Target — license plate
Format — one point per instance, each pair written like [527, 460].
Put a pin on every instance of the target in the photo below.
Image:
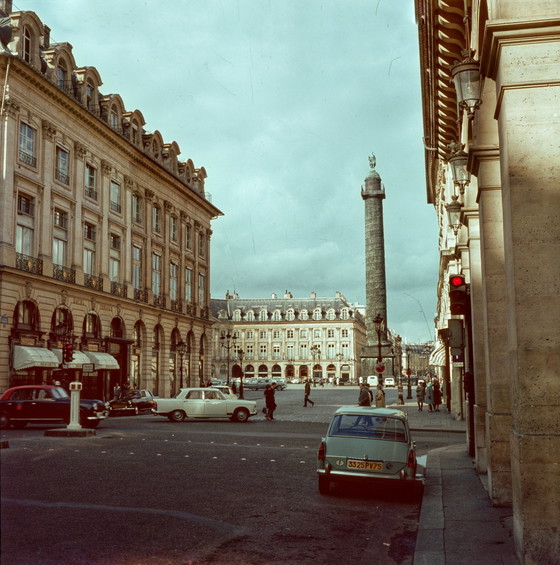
[367, 465]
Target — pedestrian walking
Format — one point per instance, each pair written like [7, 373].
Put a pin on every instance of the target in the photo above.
[364, 399]
[400, 392]
[307, 392]
[430, 396]
[420, 395]
[380, 397]
[437, 395]
[371, 397]
[270, 400]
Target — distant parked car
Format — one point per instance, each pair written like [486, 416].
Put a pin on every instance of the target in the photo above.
[389, 381]
[46, 404]
[133, 402]
[226, 391]
[366, 444]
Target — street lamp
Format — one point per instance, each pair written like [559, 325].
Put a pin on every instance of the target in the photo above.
[467, 81]
[181, 348]
[408, 373]
[379, 325]
[228, 342]
[240, 355]
[339, 359]
[315, 354]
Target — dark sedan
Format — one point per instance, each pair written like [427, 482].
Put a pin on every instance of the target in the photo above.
[46, 404]
[133, 402]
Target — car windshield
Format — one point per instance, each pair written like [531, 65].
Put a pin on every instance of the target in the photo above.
[368, 426]
[59, 392]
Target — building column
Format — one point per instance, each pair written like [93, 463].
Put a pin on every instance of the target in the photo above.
[523, 56]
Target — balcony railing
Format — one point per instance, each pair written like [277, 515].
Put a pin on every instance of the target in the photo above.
[62, 177]
[28, 159]
[159, 300]
[177, 305]
[66, 274]
[90, 193]
[141, 295]
[91, 281]
[118, 289]
[29, 264]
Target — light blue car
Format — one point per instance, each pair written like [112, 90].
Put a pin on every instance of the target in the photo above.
[366, 443]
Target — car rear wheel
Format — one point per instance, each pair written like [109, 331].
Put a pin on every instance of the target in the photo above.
[4, 421]
[241, 415]
[177, 416]
[324, 484]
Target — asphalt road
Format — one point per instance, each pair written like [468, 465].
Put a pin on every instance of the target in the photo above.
[144, 490]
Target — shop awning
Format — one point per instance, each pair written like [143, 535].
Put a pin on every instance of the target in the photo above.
[102, 360]
[437, 356]
[27, 357]
[79, 358]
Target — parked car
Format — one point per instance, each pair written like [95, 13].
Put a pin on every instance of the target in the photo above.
[366, 444]
[204, 403]
[46, 404]
[389, 381]
[133, 402]
[260, 384]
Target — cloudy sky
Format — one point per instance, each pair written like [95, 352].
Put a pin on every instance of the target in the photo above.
[282, 102]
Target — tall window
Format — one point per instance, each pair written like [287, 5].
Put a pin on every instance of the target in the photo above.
[26, 47]
[173, 228]
[62, 172]
[276, 316]
[90, 97]
[89, 249]
[330, 351]
[27, 147]
[25, 225]
[114, 119]
[317, 314]
[90, 181]
[276, 352]
[188, 237]
[61, 74]
[115, 258]
[303, 351]
[136, 266]
[156, 219]
[156, 274]
[173, 274]
[290, 334]
[290, 352]
[115, 198]
[202, 290]
[136, 208]
[290, 315]
[188, 285]
[60, 237]
[262, 351]
[344, 314]
[201, 245]
[345, 349]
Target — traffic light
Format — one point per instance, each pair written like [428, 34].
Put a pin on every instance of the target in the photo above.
[68, 353]
[458, 295]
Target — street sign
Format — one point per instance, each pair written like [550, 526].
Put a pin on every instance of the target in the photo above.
[380, 367]
[87, 367]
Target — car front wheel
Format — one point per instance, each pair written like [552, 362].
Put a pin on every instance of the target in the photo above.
[241, 415]
[177, 416]
[324, 484]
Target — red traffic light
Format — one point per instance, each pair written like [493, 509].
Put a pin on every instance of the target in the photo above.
[456, 280]
[68, 353]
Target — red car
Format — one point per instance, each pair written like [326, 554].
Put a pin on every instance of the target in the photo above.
[46, 404]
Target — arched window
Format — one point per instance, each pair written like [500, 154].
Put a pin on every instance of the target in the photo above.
[92, 326]
[263, 371]
[344, 314]
[237, 315]
[27, 316]
[250, 316]
[61, 73]
[317, 314]
[290, 315]
[303, 315]
[263, 315]
[62, 323]
[276, 316]
[117, 329]
[330, 314]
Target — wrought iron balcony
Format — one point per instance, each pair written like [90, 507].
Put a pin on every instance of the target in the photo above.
[177, 305]
[159, 300]
[28, 159]
[66, 274]
[141, 295]
[29, 264]
[91, 281]
[118, 289]
[62, 177]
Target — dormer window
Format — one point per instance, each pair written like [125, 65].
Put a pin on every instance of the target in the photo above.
[27, 46]
[61, 74]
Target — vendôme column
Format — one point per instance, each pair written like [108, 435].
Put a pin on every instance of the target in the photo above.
[373, 194]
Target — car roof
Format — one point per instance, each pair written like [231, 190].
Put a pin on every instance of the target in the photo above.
[372, 411]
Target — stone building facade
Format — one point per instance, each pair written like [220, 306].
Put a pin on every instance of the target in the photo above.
[499, 229]
[104, 231]
[288, 337]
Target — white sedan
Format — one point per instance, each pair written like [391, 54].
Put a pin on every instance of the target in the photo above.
[204, 403]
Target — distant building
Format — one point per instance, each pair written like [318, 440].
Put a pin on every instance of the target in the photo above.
[104, 232]
[289, 337]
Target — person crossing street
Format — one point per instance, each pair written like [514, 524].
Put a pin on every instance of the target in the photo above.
[307, 391]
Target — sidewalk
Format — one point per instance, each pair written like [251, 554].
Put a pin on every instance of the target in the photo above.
[458, 524]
